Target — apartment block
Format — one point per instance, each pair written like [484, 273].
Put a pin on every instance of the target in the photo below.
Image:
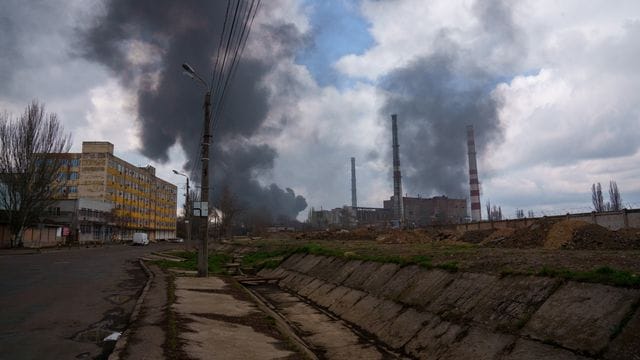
[105, 198]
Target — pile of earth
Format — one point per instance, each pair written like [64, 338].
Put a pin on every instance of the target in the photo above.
[557, 234]
[403, 237]
[475, 236]
[532, 236]
[343, 234]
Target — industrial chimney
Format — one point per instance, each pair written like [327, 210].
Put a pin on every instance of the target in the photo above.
[354, 197]
[398, 207]
[474, 184]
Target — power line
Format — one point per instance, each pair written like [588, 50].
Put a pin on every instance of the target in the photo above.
[246, 29]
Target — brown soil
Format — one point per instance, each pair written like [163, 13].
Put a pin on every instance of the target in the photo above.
[475, 236]
[403, 237]
[562, 233]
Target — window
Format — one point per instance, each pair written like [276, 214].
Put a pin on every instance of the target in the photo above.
[73, 176]
[73, 189]
[75, 162]
[85, 229]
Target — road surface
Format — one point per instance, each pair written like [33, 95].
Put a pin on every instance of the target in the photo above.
[60, 304]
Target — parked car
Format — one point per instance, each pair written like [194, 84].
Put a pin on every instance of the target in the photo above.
[140, 239]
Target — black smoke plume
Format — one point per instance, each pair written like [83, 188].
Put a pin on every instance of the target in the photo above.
[436, 96]
[145, 42]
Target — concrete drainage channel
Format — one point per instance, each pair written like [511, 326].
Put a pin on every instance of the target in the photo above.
[316, 332]
[434, 314]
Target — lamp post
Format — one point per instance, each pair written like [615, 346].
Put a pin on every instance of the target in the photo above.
[203, 256]
[187, 217]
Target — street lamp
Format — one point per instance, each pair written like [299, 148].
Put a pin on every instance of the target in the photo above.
[187, 217]
[203, 256]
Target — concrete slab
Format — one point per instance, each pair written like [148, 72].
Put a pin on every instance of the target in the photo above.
[307, 263]
[342, 273]
[378, 279]
[289, 262]
[463, 296]
[434, 339]
[532, 350]
[345, 303]
[479, 344]
[581, 316]
[196, 302]
[311, 287]
[213, 339]
[427, 286]
[510, 301]
[626, 346]
[320, 267]
[403, 327]
[332, 269]
[200, 283]
[332, 296]
[329, 338]
[320, 295]
[381, 317]
[299, 281]
[361, 310]
[361, 275]
[403, 279]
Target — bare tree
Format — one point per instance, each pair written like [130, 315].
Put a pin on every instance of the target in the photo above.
[28, 167]
[615, 201]
[230, 208]
[596, 198]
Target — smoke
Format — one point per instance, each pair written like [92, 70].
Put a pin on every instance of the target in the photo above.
[144, 44]
[436, 96]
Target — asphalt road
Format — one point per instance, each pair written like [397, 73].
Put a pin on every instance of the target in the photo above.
[60, 304]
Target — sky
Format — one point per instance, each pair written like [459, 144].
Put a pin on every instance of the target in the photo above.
[552, 89]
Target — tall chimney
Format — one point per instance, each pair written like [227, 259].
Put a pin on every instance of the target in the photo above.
[398, 207]
[474, 184]
[354, 197]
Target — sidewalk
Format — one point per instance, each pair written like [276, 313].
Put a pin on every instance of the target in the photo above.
[208, 318]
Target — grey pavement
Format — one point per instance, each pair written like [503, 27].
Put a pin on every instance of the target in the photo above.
[60, 304]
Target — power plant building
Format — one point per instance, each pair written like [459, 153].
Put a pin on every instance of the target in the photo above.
[437, 210]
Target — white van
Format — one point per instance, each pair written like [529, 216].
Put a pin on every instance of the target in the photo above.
[140, 239]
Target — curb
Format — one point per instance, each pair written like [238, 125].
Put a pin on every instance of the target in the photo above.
[121, 344]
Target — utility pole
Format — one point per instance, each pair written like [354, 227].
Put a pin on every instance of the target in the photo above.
[188, 215]
[203, 251]
[203, 255]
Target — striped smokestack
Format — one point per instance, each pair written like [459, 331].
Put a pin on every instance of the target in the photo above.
[474, 184]
[354, 197]
[398, 207]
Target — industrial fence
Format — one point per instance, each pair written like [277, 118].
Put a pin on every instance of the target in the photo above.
[613, 220]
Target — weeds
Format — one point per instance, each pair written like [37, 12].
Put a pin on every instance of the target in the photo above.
[601, 275]
[450, 266]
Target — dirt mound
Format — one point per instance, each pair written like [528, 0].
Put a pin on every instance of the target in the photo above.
[403, 237]
[562, 233]
[532, 236]
[475, 236]
[498, 235]
[352, 234]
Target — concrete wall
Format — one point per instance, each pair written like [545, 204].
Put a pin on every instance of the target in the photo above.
[611, 220]
[434, 314]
